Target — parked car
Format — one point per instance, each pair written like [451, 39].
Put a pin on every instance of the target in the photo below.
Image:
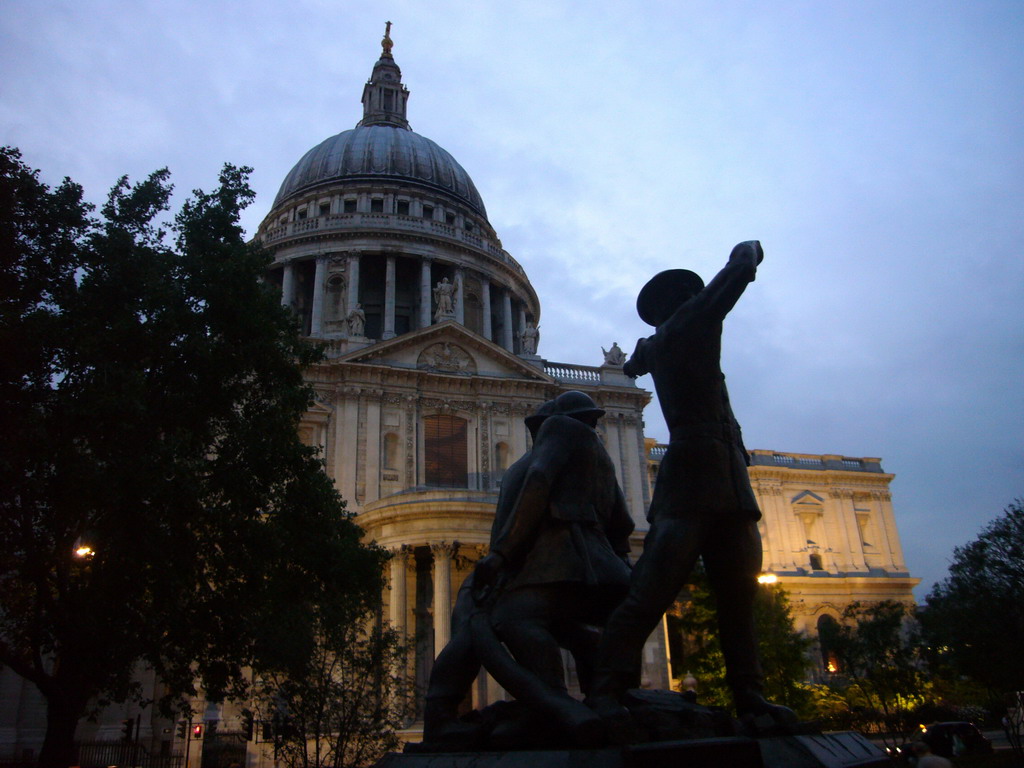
[950, 739]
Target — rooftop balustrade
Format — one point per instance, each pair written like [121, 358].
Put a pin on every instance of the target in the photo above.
[394, 222]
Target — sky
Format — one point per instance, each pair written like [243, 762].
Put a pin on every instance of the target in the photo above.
[875, 148]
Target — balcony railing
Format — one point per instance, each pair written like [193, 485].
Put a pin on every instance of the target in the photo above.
[390, 221]
[567, 372]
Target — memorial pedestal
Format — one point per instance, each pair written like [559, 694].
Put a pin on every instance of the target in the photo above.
[826, 750]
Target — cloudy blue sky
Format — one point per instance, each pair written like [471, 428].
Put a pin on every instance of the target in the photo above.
[875, 148]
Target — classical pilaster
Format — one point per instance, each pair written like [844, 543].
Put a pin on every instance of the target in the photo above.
[881, 544]
[485, 298]
[521, 321]
[460, 311]
[851, 532]
[506, 316]
[442, 608]
[888, 520]
[353, 281]
[319, 289]
[399, 588]
[425, 294]
[346, 425]
[372, 448]
[389, 298]
[288, 284]
[776, 543]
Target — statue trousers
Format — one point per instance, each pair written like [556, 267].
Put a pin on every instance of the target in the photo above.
[730, 547]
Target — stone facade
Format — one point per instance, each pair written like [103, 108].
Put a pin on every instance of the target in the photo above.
[828, 532]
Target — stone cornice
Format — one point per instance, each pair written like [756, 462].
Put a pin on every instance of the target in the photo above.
[451, 331]
[854, 479]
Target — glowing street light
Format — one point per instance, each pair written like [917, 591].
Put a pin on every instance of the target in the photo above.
[84, 551]
[767, 578]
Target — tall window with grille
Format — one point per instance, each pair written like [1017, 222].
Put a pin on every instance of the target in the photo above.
[444, 442]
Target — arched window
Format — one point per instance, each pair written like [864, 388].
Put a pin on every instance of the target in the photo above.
[391, 458]
[335, 293]
[444, 447]
[827, 629]
[474, 313]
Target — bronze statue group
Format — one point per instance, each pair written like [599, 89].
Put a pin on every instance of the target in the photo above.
[558, 574]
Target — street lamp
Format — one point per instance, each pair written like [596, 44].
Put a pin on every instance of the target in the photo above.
[767, 578]
[82, 549]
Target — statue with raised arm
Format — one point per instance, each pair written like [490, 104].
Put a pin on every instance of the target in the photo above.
[703, 504]
[614, 356]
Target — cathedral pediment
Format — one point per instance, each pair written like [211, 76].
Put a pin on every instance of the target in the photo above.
[447, 348]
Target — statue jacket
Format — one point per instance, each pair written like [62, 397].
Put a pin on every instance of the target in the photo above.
[569, 522]
[705, 467]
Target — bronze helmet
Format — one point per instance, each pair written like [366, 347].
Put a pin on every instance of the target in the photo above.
[665, 293]
[576, 403]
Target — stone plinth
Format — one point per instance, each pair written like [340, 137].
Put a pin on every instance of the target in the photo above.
[829, 750]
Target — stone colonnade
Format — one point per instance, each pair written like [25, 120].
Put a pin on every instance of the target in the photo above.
[449, 564]
[509, 312]
[443, 566]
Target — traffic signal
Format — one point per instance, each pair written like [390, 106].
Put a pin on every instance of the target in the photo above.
[127, 728]
[182, 729]
[197, 731]
[247, 724]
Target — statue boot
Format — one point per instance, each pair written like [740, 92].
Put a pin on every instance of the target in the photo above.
[751, 703]
[441, 723]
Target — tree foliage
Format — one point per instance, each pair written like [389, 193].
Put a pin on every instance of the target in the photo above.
[879, 664]
[343, 706]
[696, 647]
[974, 619]
[151, 389]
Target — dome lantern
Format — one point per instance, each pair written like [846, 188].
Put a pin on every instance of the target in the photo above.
[384, 96]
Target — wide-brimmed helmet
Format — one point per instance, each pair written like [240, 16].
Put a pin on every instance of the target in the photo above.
[576, 403]
[665, 292]
[536, 418]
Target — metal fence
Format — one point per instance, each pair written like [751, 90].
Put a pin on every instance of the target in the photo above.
[100, 754]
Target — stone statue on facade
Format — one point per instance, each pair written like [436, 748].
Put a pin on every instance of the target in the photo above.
[614, 356]
[444, 297]
[703, 504]
[356, 321]
[529, 338]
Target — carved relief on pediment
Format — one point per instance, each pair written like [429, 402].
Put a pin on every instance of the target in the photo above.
[447, 358]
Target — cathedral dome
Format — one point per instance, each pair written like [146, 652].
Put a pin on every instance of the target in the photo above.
[381, 152]
[377, 231]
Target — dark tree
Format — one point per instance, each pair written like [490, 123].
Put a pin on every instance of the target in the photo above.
[343, 705]
[974, 618]
[157, 505]
[696, 648]
[877, 652]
